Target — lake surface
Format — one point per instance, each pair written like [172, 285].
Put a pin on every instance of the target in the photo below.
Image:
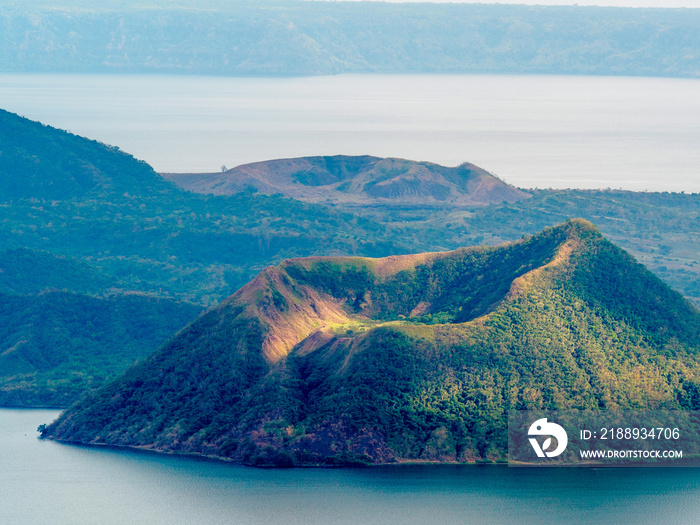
[532, 131]
[46, 482]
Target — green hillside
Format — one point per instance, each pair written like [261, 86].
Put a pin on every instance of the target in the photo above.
[40, 162]
[56, 346]
[24, 272]
[356, 360]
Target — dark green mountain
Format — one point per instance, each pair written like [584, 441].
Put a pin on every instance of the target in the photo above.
[44, 163]
[337, 360]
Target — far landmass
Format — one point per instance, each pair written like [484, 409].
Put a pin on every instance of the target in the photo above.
[276, 37]
[352, 360]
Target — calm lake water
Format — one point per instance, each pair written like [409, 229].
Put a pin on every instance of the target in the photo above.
[532, 131]
[45, 482]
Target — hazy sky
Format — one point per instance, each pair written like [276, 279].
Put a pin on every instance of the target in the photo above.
[617, 3]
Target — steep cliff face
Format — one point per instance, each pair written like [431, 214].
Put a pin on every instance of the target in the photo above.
[358, 180]
[357, 360]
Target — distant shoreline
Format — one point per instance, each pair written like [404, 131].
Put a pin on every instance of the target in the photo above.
[282, 39]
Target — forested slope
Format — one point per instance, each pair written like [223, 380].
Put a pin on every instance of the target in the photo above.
[56, 346]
